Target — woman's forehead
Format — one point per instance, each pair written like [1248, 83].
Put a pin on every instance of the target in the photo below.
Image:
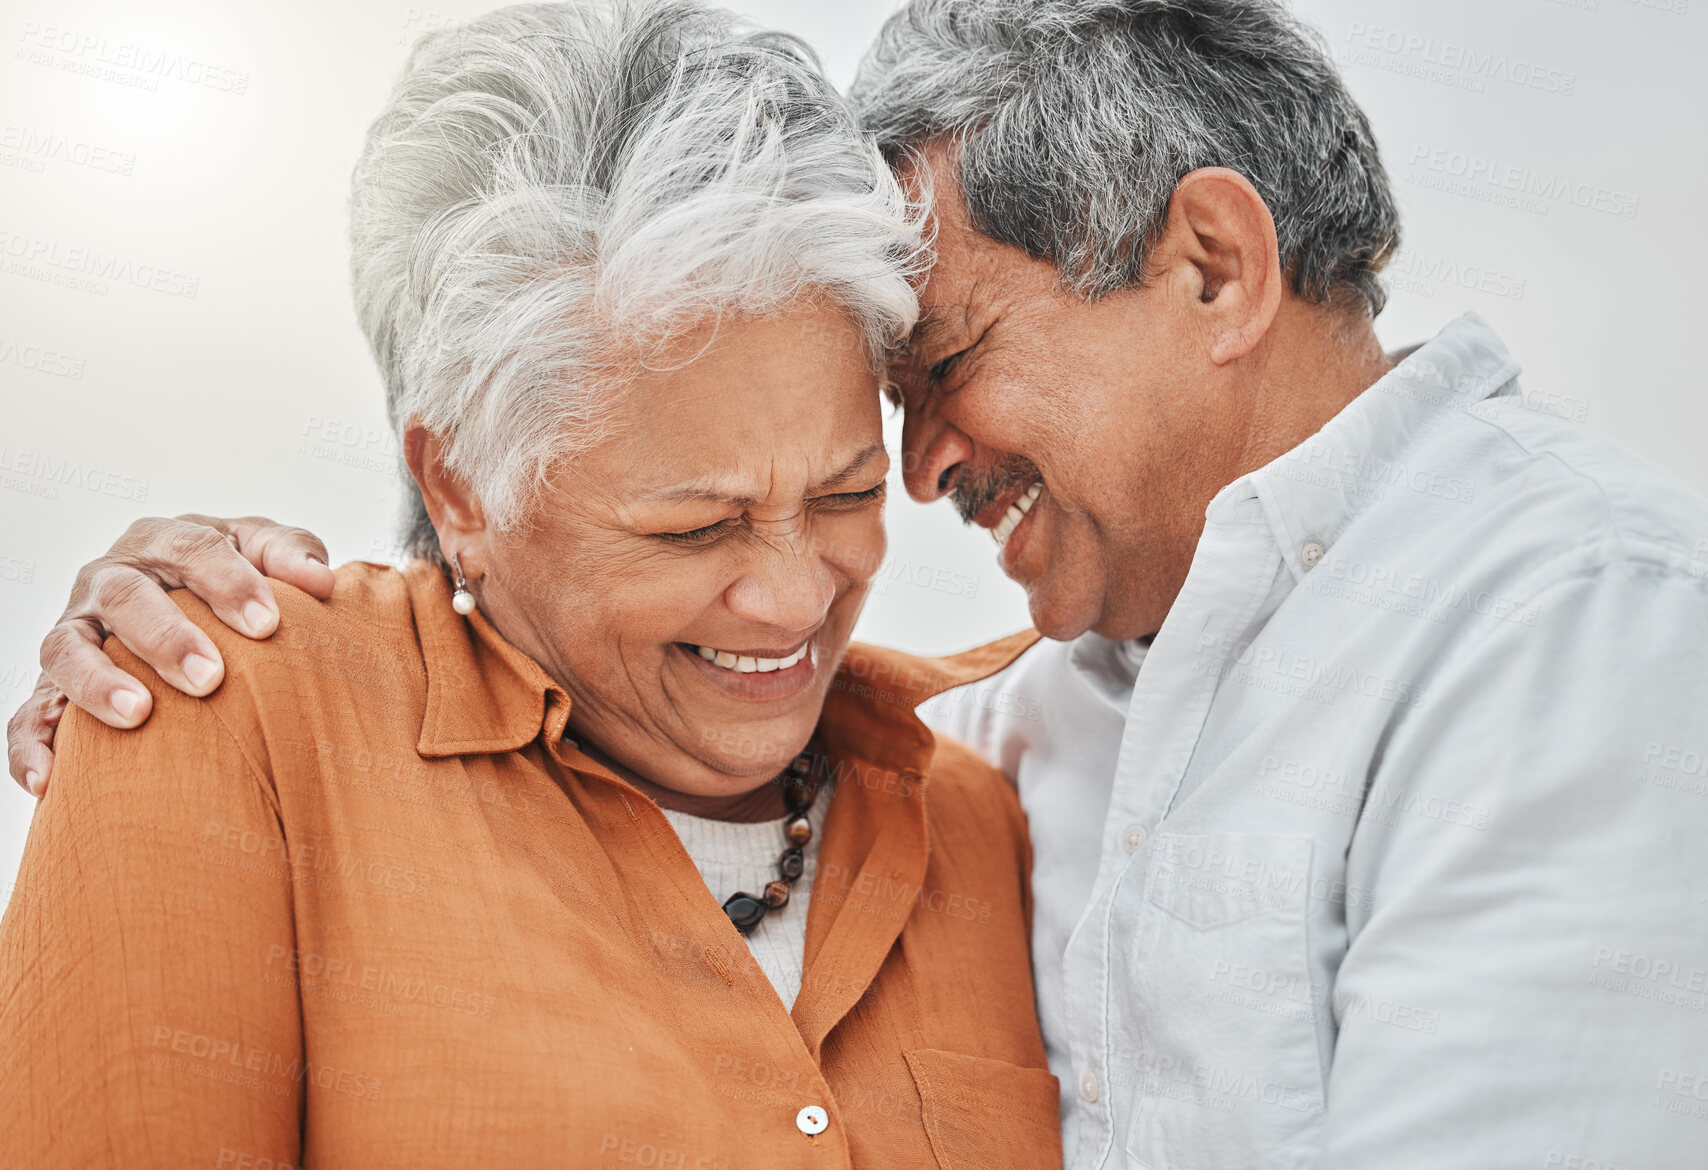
[763, 402]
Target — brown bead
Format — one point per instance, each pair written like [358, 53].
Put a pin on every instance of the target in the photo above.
[798, 831]
[776, 894]
[745, 911]
[801, 766]
[793, 864]
[799, 797]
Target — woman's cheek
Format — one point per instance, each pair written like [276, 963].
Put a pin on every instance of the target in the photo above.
[855, 543]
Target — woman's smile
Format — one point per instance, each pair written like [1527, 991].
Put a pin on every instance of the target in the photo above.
[757, 675]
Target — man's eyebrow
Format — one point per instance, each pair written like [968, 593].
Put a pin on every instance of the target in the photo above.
[711, 490]
[928, 331]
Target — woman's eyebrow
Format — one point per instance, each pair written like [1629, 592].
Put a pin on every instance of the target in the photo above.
[711, 489]
[700, 490]
[855, 465]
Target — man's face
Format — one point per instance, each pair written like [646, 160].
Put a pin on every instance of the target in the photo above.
[1103, 425]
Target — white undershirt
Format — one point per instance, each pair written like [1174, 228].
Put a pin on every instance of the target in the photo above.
[741, 858]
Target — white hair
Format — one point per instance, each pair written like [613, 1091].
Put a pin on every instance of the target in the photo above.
[555, 192]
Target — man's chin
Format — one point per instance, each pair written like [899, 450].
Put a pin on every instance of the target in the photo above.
[1059, 614]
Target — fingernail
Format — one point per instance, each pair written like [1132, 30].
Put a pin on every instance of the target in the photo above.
[199, 670]
[33, 781]
[124, 702]
[258, 617]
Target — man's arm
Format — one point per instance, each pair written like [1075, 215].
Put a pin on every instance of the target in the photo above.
[1527, 978]
[224, 562]
[148, 1016]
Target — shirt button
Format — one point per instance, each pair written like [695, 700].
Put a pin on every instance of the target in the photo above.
[1133, 838]
[1310, 553]
[812, 1120]
[1088, 1087]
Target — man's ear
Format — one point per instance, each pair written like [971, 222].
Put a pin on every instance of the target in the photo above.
[1221, 237]
[453, 507]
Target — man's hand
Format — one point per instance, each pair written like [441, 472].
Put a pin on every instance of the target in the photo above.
[224, 562]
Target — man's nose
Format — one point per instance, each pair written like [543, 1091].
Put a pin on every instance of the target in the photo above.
[932, 452]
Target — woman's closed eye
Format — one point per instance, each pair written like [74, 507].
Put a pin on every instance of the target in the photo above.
[711, 532]
[705, 535]
[854, 499]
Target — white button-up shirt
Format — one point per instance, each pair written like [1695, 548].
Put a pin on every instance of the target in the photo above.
[1391, 848]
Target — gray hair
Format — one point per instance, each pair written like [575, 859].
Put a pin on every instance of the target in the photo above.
[1074, 120]
[555, 192]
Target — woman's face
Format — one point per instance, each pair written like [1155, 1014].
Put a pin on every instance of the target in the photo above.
[693, 581]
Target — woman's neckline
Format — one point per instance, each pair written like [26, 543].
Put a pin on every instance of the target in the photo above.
[761, 804]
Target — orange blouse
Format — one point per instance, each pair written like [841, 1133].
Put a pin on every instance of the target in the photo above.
[366, 907]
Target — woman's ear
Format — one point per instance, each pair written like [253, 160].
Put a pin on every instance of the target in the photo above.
[452, 505]
[1221, 237]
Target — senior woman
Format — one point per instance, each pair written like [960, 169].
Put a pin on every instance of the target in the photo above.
[586, 839]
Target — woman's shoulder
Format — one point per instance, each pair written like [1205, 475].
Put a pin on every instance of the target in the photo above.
[324, 658]
[365, 625]
[964, 785]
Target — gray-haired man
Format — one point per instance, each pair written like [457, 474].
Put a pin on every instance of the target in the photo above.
[1366, 775]
[1365, 768]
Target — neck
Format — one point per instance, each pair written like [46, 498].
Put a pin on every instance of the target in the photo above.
[761, 803]
[1314, 360]
[1317, 359]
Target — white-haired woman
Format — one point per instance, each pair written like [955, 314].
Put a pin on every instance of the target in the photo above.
[586, 839]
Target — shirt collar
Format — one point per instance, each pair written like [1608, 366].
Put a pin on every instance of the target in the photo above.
[1311, 494]
[484, 695]
[870, 710]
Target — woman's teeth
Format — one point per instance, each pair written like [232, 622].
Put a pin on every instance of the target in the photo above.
[1016, 513]
[745, 664]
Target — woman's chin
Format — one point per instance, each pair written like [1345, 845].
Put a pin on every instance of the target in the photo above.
[745, 757]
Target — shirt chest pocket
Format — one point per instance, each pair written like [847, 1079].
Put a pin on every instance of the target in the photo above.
[983, 1114]
[1212, 880]
[1220, 1063]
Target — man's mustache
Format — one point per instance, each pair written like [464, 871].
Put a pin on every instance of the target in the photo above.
[974, 491]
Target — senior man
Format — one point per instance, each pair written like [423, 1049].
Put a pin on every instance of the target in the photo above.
[1364, 762]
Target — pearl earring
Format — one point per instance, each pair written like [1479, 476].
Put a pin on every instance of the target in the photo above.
[462, 600]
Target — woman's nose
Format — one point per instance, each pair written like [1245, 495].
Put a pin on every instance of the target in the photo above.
[788, 587]
[932, 452]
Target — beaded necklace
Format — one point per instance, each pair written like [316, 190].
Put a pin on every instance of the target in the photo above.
[800, 782]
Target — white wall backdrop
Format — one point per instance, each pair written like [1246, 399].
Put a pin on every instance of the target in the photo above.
[176, 335]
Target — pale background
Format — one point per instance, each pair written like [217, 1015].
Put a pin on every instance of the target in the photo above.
[204, 147]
